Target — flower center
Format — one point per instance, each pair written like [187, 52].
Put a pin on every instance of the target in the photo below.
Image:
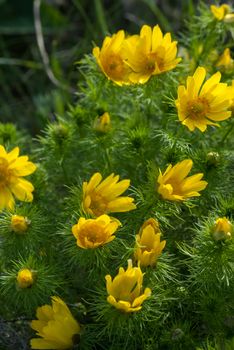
[115, 66]
[198, 109]
[150, 62]
[94, 234]
[98, 204]
[4, 172]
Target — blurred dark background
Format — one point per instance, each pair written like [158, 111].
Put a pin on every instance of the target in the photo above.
[29, 97]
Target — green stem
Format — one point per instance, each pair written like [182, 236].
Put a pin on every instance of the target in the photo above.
[101, 16]
[108, 161]
[159, 15]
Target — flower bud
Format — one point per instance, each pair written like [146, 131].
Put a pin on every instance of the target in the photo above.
[225, 59]
[103, 123]
[148, 245]
[229, 18]
[25, 278]
[213, 158]
[60, 133]
[222, 229]
[19, 224]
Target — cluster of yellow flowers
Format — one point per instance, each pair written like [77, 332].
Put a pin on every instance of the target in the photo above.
[222, 13]
[56, 326]
[125, 60]
[100, 197]
[103, 197]
[134, 59]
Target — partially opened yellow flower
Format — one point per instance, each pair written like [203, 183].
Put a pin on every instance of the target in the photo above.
[225, 59]
[149, 54]
[19, 224]
[222, 229]
[229, 18]
[25, 278]
[55, 325]
[220, 12]
[103, 123]
[110, 58]
[12, 170]
[125, 290]
[199, 103]
[93, 233]
[148, 246]
[101, 197]
[174, 184]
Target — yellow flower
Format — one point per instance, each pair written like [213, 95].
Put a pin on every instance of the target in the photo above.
[55, 325]
[148, 245]
[101, 197]
[225, 59]
[12, 170]
[19, 224]
[222, 229]
[150, 53]
[103, 123]
[111, 58]
[220, 12]
[199, 103]
[174, 184]
[93, 233]
[125, 291]
[25, 278]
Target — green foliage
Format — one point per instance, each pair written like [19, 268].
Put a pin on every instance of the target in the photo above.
[25, 300]
[192, 282]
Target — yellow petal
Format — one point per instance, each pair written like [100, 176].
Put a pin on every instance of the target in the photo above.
[23, 169]
[38, 343]
[22, 190]
[13, 154]
[181, 169]
[220, 115]
[146, 32]
[93, 182]
[6, 199]
[121, 204]
[210, 83]
[198, 77]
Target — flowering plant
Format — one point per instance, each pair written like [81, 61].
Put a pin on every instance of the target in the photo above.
[127, 216]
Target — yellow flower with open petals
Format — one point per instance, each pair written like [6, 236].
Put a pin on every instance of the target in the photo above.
[220, 12]
[55, 325]
[222, 229]
[110, 58]
[93, 233]
[174, 184]
[200, 104]
[125, 290]
[148, 246]
[25, 278]
[150, 53]
[12, 170]
[101, 197]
